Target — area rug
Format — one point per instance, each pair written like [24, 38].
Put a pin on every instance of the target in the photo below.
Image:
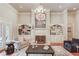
[59, 51]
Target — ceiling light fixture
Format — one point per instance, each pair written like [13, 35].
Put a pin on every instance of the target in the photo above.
[60, 6]
[20, 6]
[74, 8]
[40, 9]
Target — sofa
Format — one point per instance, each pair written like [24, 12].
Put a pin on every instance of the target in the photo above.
[71, 46]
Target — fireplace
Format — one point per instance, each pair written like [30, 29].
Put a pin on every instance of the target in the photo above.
[40, 39]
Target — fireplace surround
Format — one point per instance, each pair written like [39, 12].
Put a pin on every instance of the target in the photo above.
[40, 39]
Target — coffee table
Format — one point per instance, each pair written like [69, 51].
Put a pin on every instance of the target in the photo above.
[39, 50]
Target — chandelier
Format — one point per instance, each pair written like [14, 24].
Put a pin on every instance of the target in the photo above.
[40, 9]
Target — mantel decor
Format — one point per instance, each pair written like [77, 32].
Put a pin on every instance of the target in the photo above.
[24, 29]
[56, 29]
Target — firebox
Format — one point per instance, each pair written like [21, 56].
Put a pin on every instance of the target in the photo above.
[40, 39]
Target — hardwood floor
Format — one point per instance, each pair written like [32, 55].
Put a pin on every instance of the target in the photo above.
[57, 44]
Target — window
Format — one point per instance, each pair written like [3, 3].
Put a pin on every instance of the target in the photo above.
[7, 34]
[4, 34]
[1, 35]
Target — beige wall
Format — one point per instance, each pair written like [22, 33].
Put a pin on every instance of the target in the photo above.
[72, 23]
[64, 18]
[8, 15]
[24, 18]
[54, 18]
[77, 24]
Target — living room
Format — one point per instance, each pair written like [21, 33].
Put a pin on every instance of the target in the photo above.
[29, 26]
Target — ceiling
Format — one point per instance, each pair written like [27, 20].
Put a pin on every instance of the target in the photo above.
[54, 7]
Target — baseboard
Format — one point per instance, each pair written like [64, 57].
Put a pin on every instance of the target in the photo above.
[57, 44]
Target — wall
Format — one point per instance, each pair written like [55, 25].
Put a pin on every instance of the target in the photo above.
[64, 18]
[28, 18]
[56, 18]
[8, 15]
[53, 18]
[73, 21]
[72, 24]
[61, 19]
[77, 24]
[24, 18]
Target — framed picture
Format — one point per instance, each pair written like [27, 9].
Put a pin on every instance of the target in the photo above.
[40, 20]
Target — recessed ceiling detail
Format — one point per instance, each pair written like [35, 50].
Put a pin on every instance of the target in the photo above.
[54, 7]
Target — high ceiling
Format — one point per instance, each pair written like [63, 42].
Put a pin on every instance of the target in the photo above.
[56, 7]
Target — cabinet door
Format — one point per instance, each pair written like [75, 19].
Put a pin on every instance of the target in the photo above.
[70, 34]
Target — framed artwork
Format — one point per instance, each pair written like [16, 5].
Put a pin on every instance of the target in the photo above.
[56, 29]
[40, 20]
[24, 29]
